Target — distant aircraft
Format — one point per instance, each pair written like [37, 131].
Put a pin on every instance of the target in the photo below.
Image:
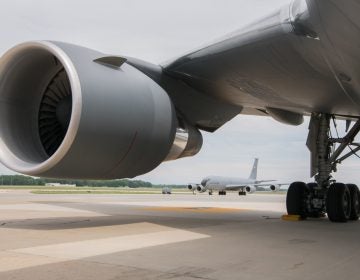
[243, 186]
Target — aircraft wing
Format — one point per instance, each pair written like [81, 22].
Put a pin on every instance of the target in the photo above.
[265, 181]
[239, 187]
[287, 65]
[267, 184]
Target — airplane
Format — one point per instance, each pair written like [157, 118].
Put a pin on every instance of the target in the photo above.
[243, 186]
[68, 111]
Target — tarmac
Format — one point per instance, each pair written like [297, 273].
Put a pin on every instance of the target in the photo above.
[114, 237]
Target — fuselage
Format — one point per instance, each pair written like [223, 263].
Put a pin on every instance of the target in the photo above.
[217, 183]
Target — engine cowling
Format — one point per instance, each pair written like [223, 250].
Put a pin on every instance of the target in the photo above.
[201, 189]
[67, 112]
[250, 189]
[275, 188]
[193, 187]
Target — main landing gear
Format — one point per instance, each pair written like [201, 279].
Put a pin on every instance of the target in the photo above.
[341, 202]
[222, 192]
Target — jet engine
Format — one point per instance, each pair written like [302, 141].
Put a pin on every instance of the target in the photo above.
[250, 189]
[275, 188]
[71, 112]
[201, 189]
[193, 187]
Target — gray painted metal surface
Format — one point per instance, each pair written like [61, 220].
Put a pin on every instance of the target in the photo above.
[302, 59]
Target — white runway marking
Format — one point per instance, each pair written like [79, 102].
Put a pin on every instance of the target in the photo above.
[91, 248]
[42, 211]
[152, 235]
[42, 207]
[12, 261]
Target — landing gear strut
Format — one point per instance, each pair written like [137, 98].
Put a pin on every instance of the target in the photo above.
[341, 202]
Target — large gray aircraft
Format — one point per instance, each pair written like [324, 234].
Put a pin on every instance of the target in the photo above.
[242, 185]
[69, 111]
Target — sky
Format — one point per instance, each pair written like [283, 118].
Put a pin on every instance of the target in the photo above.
[158, 31]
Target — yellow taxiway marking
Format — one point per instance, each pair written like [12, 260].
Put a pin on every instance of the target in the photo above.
[193, 209]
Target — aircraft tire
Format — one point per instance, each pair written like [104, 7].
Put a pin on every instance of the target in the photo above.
[338, 203]
[295, 199]
[314, 213]
[355, 202]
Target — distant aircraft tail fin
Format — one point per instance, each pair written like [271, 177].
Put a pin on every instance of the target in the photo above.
[253, 174]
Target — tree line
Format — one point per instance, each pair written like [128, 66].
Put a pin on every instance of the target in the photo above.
[20, 180]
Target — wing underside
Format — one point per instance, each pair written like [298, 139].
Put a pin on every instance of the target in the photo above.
[280, 66]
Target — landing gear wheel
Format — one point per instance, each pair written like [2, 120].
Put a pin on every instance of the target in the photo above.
[355, 202]
[295, 199]
[314, 213]
[338, 203]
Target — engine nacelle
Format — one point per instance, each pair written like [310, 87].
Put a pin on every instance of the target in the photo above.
[250, 189]
[71, 112]
[201, 189]
[193, 187]
[275, 188]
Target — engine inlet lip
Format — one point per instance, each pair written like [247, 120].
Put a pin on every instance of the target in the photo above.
[12, 161]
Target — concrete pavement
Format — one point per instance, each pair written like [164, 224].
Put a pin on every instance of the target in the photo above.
[168, 237]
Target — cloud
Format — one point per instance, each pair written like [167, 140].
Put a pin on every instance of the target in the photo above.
[154, 30]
